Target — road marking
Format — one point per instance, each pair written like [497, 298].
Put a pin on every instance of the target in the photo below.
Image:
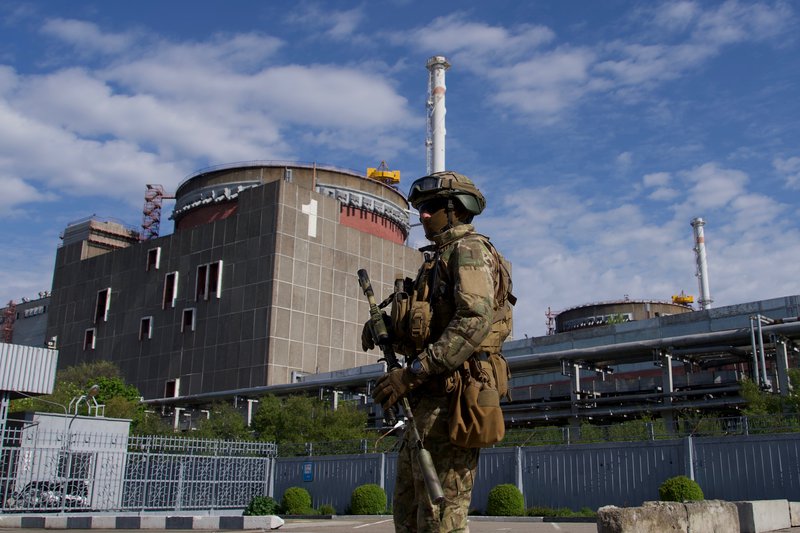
[373, 523]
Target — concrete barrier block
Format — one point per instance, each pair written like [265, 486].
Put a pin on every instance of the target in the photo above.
[55, 522]
[205, 522]
[758, 516]
[104, 522]
[262, 522]
[10, 521]
[794, 513]
[712, 516]
[153, 522]
[652, 516]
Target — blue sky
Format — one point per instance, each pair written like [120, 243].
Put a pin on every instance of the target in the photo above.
[597, 130]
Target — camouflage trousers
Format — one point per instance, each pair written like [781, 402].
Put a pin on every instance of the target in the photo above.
[414, 512]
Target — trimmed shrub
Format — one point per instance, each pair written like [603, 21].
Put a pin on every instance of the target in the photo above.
[261, 506]
[368, 499]
[296, 500]
[326, 509]
[505, 500]
[680, 489]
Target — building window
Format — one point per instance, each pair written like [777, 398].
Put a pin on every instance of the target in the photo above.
[172, 388]
[209, 281]
[102, 305]
[146, 328]
[188, 322]
[170, 290]
[89, 338]
[153, 258]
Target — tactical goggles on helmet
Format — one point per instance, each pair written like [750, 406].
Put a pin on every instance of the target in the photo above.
[450, 185]
[428, 184]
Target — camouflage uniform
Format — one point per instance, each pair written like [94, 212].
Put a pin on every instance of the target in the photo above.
[462, 292]
[463, 308]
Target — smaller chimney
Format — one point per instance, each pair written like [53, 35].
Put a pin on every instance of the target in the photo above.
[702, 264]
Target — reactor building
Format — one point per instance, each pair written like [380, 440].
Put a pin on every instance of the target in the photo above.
[256, 286]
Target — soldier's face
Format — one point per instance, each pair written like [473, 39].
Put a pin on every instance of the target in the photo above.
[433, 215]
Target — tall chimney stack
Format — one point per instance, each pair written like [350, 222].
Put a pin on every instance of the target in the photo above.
[434, 142]
[702, 265]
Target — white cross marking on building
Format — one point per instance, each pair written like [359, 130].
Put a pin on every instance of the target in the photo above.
[310, 209]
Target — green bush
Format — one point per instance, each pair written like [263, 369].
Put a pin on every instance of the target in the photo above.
[326, 509]
[261, 506]
[368, 499]
[680, 489]
[296, 500]
[505, 500]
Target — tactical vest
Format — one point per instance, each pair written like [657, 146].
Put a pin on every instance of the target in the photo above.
[424, 307]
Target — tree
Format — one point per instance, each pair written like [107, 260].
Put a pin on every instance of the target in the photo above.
[120, 399]
[304, 419]
[224, 422]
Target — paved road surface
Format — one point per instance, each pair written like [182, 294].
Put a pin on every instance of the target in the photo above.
[374, 525]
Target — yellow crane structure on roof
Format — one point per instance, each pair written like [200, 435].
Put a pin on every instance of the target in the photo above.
[683, 299]
[383, 174]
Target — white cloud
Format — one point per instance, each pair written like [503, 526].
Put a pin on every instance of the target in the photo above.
[177, 106]
[545, 84]
[473, 45]
[657, 179]
[624, 161]
[334, 24]
[86, 36]
[17, 192]
[713, 187]
[569, 249]
[676, 15]
[789, 168]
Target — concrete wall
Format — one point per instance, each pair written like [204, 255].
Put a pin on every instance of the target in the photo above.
[289, 299]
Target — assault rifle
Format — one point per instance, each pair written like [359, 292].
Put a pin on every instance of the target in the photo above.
[380, 336]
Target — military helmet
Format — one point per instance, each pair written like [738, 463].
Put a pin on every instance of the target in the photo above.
[447, 184]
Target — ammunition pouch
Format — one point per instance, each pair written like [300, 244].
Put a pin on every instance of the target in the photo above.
[476, 419]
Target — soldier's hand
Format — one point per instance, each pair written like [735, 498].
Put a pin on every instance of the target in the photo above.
[367, 342]
[391, 387]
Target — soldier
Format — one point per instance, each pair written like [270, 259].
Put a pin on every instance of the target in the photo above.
[458, 314]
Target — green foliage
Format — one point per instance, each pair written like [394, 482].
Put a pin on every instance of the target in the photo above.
[298, 419]
[762, 403]
[326, 509]
[296, 501]
[561, 512]
[505, 500]
[261, 506]
[368, 499]
[680, 489]
[120, 399]
[224, 422]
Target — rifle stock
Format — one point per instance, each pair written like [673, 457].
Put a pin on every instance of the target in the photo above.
[380, 335]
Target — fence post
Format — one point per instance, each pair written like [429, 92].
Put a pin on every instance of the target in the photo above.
[518, 472]
[382, 471]
[271, 466]
[689, 458]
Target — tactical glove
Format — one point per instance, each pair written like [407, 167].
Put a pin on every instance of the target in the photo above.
[395, 385]
[367, 342]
